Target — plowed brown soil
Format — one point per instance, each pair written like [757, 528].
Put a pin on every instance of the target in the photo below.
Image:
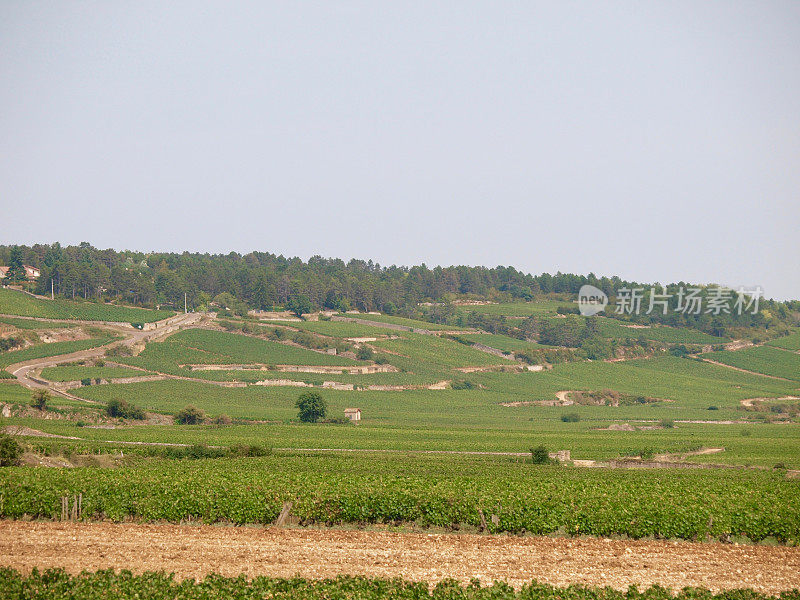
[194, 551]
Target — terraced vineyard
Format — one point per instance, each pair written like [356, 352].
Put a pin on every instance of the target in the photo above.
[422, 349]
[54, 349]
[77, 373]
[789, 342]
[502, 342]
[398, 321]
[342, 329]
[202, 346]
[675, 335]
[688, 383]
[18, 303]
[379, 473]
[761, 359]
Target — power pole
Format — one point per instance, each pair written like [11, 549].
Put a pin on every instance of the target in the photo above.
[52, 297]
[184, 303]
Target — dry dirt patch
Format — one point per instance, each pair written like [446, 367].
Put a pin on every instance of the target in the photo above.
[194, 551]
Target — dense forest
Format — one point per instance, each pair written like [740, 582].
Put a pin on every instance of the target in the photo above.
[263, 280]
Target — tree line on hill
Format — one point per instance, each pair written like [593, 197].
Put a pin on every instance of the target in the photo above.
[262, 280]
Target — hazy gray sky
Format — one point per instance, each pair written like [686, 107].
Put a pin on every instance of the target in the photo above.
[657, 141]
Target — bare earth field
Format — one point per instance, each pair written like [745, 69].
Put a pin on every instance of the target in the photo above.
[194, 551]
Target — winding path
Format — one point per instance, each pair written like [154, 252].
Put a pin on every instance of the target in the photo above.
[23, 371]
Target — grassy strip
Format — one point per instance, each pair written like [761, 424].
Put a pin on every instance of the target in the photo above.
[520, 309]
[34, 324]
[125, 585]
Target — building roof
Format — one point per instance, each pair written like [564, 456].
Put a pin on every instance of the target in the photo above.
[347, 410]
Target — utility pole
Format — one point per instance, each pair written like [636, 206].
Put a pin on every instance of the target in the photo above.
[184, 303]
[52, 297]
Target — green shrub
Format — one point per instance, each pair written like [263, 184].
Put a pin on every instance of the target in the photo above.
[667, 423]
[541, 456]
[190, 415]
[249, 450]
[463, 385]
[647, 453]
[570, 417]
[39, 398]
[10, 451]
[86, 381]
[221, 420]
[194, 452]
[122, 409]
[338, 421]
[119, 350]
[7, 343]
[364, 353]
[680, 351]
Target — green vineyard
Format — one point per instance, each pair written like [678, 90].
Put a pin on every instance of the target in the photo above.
[685, 504]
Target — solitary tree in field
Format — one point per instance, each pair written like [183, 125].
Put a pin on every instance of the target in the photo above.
[312, 407]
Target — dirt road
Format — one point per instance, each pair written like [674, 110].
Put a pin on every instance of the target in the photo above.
[22, 371]
[194, 551]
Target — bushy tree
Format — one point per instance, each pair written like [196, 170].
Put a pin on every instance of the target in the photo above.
[299, 305]
[10, 451]
[364, 353]
[312, 407]
[540, 455]
[122, 409]
[39, 398]
[190, 415]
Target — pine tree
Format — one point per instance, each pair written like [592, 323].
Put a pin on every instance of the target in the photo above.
[16, 270]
